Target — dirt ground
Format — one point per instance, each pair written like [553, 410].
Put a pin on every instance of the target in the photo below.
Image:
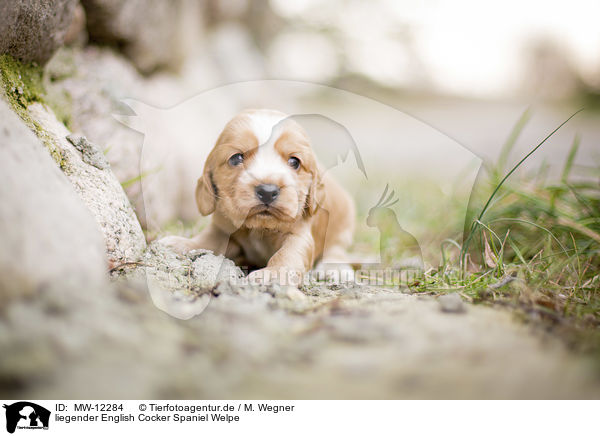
[326, 341]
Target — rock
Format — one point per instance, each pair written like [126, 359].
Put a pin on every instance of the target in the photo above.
[96, 185]
[33, 29]
[49, 238]
[94, 81]
[208, 270]
[57, 303]
[197, 272]
[91, 154]
[153, 34]
[181, 285]
[451, 303]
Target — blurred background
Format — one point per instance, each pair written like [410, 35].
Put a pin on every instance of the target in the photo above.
[443, 62]
[534, 49]
[468, 69]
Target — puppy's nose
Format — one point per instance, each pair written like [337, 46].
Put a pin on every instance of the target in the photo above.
[267, 193]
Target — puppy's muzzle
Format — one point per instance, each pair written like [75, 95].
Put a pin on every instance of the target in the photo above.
[267, 193]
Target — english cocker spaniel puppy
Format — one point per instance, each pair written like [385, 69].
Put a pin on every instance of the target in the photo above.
[272, 207]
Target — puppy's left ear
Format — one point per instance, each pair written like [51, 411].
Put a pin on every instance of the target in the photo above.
[316, 194]
[205, 193]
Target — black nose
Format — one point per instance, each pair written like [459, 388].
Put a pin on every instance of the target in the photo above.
[267, 193]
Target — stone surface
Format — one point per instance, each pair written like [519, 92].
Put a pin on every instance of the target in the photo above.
[96, 82]
[33, 29]
[95, 184]
[153, 34]
[180, 285]
[48, 235]
[57, 304]
[90, 153]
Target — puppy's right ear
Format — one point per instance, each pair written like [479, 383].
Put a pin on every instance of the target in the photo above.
[205, 193]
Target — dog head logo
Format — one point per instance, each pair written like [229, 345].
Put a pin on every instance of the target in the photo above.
[26, 415]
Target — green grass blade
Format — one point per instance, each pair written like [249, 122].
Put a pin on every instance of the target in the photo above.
[491, 197]
[519, 254]
[519, 220]
[570, 159]
[484, 210]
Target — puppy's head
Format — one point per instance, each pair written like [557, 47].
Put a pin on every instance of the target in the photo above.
[262, 173]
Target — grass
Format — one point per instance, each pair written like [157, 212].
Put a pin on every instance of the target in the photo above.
[530, 244]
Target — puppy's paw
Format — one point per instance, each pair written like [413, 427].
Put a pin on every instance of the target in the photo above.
[335, 273]
[178, 244]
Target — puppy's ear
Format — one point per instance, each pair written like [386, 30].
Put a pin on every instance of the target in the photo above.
[205, 193]
[316, 193]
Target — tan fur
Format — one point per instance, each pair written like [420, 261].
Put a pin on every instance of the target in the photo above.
[313, 220]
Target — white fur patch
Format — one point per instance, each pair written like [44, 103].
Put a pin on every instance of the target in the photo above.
[262, 123]
[268, 163]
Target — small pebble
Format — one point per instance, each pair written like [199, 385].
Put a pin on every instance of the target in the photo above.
[90, 153]
[451, 303]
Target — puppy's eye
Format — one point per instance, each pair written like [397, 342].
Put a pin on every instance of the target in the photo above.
[236, 159]
[294, 162]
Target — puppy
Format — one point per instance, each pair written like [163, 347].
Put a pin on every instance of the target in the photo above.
[272, 207]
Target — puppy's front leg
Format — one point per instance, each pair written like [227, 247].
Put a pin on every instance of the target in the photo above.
[290, 262]
[210, 238]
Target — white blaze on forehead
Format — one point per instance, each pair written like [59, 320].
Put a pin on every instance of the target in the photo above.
[262, 124]
[268, 163]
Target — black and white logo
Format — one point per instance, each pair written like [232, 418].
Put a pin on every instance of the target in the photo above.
[26, 415]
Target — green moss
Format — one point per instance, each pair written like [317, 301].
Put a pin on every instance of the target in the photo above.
[21, 82]
[51, 146]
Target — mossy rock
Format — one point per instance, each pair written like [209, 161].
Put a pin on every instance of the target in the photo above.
[21, 82]
[22, 85]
